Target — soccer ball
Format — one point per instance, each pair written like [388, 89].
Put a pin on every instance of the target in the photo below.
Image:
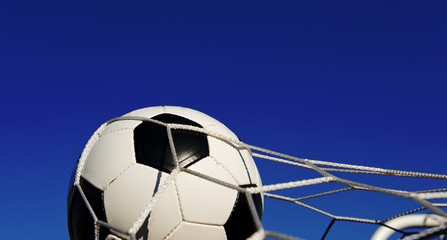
[129, 161]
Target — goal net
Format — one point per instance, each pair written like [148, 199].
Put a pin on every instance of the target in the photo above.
[417, 208]
[313, 199]
[393, 204]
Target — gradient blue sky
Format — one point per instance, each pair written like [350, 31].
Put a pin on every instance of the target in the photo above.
[360, 82]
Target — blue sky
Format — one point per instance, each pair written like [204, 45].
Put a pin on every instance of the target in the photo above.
[361, 82]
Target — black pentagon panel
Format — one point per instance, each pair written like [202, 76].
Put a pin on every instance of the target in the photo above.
[171, 118]
[80, 221]
[152, 146]
[95, 198]
[240, 224]
[189, 146]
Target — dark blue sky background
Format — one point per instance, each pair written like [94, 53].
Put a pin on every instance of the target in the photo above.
[361, 82]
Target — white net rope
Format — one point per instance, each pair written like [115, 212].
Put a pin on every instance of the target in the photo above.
[433, 200]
